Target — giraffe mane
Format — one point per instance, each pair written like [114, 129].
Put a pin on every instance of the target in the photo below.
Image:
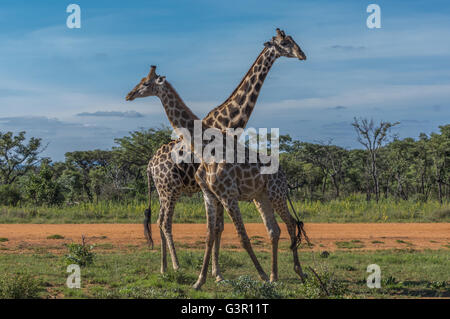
[237, 88]
[188, 110]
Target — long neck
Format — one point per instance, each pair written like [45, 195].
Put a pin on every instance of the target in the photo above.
[236, 110]
[180, 116]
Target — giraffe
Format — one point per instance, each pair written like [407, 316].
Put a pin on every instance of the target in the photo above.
[221, 183]
[171, 180]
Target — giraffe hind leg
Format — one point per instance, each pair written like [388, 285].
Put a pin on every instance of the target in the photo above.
[210, 205]
[166, 226]
[218, 234]
[282, 210]
[232, 208]
[265, 208]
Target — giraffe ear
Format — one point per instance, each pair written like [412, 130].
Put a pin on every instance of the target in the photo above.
[160, 80]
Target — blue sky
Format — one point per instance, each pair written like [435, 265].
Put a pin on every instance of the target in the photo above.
[52, 77]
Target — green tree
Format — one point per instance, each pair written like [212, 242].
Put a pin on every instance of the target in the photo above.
[373, 138]
[440, 150]
[134, 152]
[82, 162]
[41, 188]
[17, 157]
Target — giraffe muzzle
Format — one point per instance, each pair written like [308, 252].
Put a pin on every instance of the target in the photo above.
[130, 96]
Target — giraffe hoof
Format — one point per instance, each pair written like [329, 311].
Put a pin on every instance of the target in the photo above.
[197, 285]
[219, 278]
[273, 278]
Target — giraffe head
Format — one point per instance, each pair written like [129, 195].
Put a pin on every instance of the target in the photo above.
[285, 46]
[149, 86]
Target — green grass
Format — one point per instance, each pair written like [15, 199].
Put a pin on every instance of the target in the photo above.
[135, 274]
[404, 242]
[55, 236]
[3, 239]
[353, 209]
[355, 243]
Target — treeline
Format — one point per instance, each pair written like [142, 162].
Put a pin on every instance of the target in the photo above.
[386, 166]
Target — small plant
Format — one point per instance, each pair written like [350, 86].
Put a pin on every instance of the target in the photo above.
[324, 254]
[437, 284]
[55, 236]
[19, 286]
[391, 282]
[3, 239]
[229, 261]
[80, 254]
[404, 242]
[191, 259]
[322, 285]
[248, 288]
[347, 267]
[349, 244]
[178, 277]
[377, 242]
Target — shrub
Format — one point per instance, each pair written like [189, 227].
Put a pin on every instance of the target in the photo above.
[19, 286]
[80, 254]
[327, 287]
[248, 288]
[9, 195]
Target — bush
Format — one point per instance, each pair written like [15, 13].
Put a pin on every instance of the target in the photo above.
[42, 189]
[80, 254]
[179, 277]
[327, 287]
[248, 288]
[191, 259]
[9, 195]
[19, 286]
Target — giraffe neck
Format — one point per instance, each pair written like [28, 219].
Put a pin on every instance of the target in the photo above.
[236, 110]
[180, 116]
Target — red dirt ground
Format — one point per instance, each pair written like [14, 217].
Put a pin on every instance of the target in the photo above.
[24, 238]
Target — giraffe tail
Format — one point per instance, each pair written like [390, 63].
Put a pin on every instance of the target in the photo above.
[148, 213]
[301, 233]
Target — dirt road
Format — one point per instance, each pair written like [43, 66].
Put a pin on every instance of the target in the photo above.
[18, 238]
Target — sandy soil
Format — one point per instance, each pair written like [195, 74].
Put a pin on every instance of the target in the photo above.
[31, 237]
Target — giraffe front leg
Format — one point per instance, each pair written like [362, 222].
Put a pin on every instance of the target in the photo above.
[210, 204]
[218, 232]
[166, 226]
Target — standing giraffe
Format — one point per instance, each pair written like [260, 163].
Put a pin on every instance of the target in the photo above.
[171, 179]
[222, 183]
